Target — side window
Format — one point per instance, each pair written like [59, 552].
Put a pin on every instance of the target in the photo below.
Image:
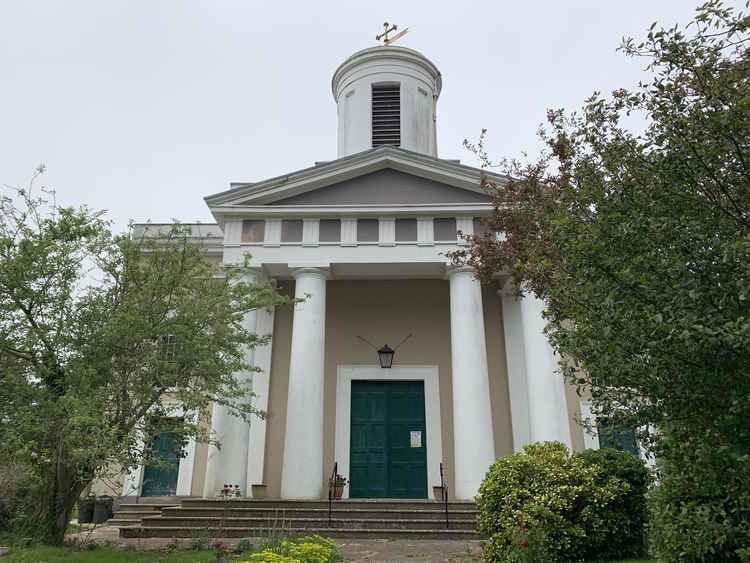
[617, 439]
[330, 230]
[253, 231]
[291, 230]
[406, 230]
[167, 347]
[367, 230]
[445, 229]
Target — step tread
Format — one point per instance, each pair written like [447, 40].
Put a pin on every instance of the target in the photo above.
[246, 519]
[322, 510]
[312, 530]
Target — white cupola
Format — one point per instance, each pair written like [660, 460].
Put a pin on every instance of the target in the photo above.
[386, 96]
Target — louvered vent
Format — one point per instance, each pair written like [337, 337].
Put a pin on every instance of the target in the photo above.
[386, 115]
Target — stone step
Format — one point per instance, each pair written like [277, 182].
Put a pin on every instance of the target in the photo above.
[409, 504]
[150, 508]
[305, 523]
[120, 522]
[338, 512]
[361, 533]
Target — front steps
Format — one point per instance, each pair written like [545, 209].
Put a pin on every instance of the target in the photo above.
[377, 518]
[129, 511]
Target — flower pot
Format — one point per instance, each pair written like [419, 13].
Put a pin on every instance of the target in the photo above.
[86, 510]
[438, 492]
[338, 491]
[102, 509]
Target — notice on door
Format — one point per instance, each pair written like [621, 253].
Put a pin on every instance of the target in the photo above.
[416, 439]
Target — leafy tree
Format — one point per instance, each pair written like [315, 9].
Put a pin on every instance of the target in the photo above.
[639, 243]
[96, 330]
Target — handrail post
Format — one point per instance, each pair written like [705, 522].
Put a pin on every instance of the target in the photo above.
[444, 489]
[331, 484]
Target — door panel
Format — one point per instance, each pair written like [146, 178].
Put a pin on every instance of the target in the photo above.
[383, 462]
[160, 479]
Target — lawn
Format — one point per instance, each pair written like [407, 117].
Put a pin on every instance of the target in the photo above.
[109, 555]
[104, 555]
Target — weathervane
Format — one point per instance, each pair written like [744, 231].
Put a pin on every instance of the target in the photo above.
[388, 29]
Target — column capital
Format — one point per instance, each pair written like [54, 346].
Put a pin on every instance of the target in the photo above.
[451, 271]
[323, 272]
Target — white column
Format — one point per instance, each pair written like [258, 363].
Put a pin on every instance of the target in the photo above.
[256, 454]
[548, 408]
[302, 471]
[473, 442]
[227, 463]
[515, 359]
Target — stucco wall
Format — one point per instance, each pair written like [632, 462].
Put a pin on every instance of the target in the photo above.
[385, 311]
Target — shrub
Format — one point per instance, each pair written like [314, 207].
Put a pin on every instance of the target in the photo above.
[305, 549]
[625, 517]
[701, 508]
[546, 488]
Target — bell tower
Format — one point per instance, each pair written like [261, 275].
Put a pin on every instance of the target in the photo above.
[386, 95]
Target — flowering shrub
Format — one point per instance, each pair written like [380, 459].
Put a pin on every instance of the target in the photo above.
[230, 491]
[545, 500]
[306, 549]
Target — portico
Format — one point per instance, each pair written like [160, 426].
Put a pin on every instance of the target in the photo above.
[361, 243]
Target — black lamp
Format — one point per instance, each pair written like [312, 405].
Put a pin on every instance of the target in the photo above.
[385, 355]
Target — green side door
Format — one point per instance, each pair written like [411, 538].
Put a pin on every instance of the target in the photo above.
[160, 478]
[388, 441]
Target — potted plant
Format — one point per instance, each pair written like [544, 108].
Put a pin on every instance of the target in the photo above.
[338, 483]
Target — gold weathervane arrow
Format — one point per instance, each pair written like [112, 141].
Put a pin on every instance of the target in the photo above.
[389, 28]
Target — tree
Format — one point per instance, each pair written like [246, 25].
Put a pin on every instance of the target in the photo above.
[96, 330]
[639, 243]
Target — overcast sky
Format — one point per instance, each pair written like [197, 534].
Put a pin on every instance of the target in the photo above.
[144, 107]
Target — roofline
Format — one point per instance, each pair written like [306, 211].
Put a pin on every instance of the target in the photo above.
[248, 189]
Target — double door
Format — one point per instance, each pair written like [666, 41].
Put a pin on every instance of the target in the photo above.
[388, 440]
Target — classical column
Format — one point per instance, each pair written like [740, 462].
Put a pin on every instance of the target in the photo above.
[548, 410]
[473, 442]
[227, 464]
[515, 359]
[302, 471]
[256, 453]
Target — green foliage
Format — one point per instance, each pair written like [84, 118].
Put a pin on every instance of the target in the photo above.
[305, 549]
[702, 514]
[639, 244]
[625, 517]
[105, 341]
[546, 500]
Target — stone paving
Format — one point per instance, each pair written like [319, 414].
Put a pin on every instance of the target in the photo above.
[355, 551]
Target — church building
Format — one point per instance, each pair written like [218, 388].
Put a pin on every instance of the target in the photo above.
[399, 370]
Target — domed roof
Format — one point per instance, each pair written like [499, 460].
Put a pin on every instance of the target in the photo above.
[386, 54]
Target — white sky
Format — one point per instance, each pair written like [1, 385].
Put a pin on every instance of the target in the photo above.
[144, 107]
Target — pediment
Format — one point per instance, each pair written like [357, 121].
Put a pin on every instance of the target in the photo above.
[385, 187]
[378, 177]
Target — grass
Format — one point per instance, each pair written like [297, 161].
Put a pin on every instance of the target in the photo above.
[43, 554]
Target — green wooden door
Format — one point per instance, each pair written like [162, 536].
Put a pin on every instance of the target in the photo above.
[160, 478]
[388, 441]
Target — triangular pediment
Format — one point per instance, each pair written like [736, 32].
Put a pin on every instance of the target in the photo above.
[382, 176]
[385, 187]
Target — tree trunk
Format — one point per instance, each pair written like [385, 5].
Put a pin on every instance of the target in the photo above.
[56, 506]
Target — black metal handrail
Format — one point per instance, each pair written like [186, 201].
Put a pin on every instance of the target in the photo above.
[331, 485]
[444, 488]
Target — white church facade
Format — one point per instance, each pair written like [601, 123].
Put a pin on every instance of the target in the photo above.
[363, 240]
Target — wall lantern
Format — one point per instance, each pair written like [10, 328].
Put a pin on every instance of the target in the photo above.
[385, 355]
